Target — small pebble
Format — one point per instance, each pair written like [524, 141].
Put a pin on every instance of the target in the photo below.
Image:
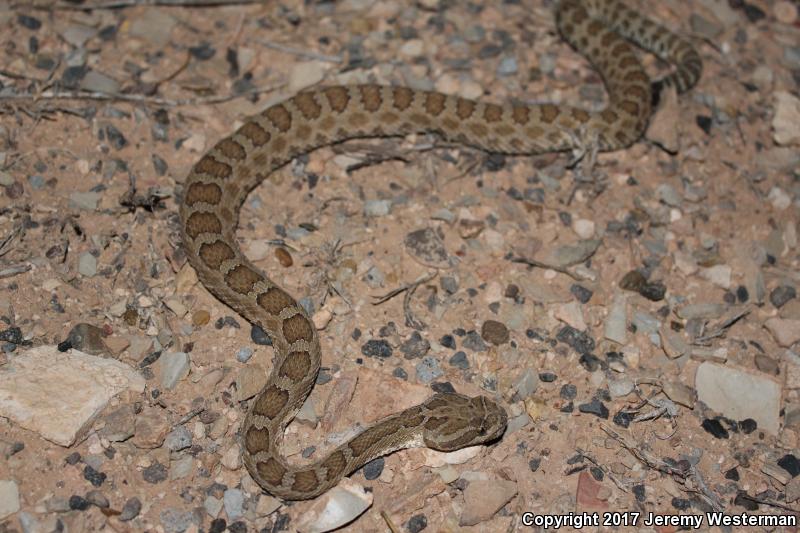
[495, 332]
[782, 294]
[233, 501]
[377, 348]
[96, 498]
[155, 473]
[415, 346]
[417, 523]
[178, 439]
[244, 354]
[791, 464]
[595, 407]
[580, 341]
[428, 369]
[259, 336]
[284, 257]
[201, 318]
[93, 476]
[78, 503]
[715, 428]
[459, 360]
[374, 468]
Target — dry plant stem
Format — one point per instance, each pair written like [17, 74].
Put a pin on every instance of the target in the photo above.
[118, 4]
[539, 264]
[692, 474]
[138, 98]
[300, 52]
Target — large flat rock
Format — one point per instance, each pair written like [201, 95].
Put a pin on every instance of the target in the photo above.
[740, 394]
[58, 394]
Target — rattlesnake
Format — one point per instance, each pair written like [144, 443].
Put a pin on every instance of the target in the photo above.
[219, 182]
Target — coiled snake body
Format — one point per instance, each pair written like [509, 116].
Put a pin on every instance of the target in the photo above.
[219, 182]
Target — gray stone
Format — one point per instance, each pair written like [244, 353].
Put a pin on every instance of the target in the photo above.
[667, 194]
[131, 509]
[305, 74]
[29, 523]
[78, 34]
[705, 310]
[98, 82]
[507, 66]
[87, 265]
[244, 354]
[174, 366]
[739, 394]
[620, 387]
[645, 322]
[785, 331]
[377, 208]
[153, 27]
[483, 498]
[213, 506]
[87, 338]
[175, 520]
[615, 327]
[119, 424]
[84, 200]
[427, 247]
[782, 294]
[181, 468]
[527, 384]
[233, 500]
[9, 497]
[36, 181]
[374, 278]
[702, 26]
[178, 439]
[428, 369]
[569, 255]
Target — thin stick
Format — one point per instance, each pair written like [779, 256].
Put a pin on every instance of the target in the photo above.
[140, 98]
[389, 522]
[539, 264]
[300, 52]
[117, 4]
[655, 463]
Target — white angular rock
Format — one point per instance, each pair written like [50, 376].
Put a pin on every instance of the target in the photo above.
[739, 394]
[786, 120]
[436, 459]
[58, 394]
[483, 498]
[9, 497]
[785, 331]
[305, 74]
[173, 367]
[615, 327]
[337, 507]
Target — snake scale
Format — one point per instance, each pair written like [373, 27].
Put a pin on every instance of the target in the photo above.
[219, 182]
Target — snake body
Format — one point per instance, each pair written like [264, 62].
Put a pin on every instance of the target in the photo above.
[219, 182]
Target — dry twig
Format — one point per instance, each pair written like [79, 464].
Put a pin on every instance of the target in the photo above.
[308, 54]
[138, 98]
[691, 479]
[118, 4]
[409, 289]
[539, 264]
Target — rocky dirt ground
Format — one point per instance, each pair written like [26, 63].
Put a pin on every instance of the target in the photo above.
[642, 327]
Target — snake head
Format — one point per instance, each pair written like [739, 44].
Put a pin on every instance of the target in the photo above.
[454, 421]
